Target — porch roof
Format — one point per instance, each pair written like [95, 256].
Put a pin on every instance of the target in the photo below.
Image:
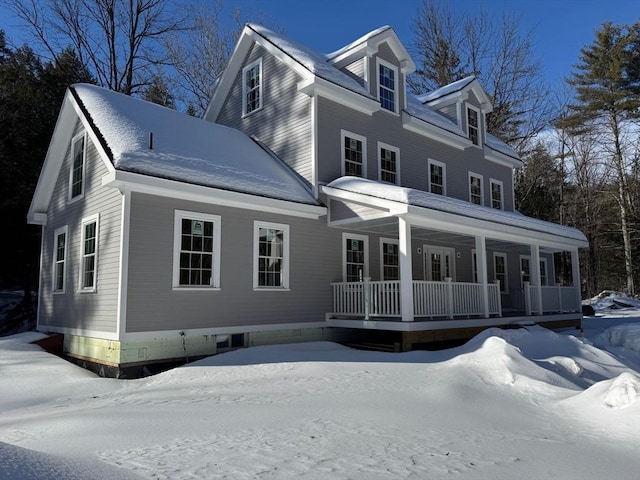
[450, 214]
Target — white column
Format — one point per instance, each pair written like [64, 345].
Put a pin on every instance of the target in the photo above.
[406, 273]
[481, 270]
[535, 277]
[575, 274]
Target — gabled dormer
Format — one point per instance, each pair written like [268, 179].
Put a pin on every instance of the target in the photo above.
[464, 102]
[379, 62]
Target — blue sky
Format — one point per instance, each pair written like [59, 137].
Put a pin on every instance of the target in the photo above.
[561, 27]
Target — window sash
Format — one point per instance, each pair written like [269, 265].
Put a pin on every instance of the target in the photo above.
[473, 127]
[436, 178]
[77, 169]
[388, 165]
[390, 261]
[475, 189]
[89, 254]
[500, 270]
[271, 257]
[387, 82]
[252, 87]
[496, 195]
[196, 264]
[353, 156]
[59, 261]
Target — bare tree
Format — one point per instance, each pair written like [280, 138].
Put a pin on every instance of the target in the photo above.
[119, 40]
[450, 46]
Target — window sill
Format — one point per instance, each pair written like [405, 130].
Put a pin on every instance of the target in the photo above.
[75, 199]
[245, 115]
[88, 290]
[271, 289]
[195, 289]
[58, 292]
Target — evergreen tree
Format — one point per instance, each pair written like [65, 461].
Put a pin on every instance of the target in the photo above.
[158, 92]
[608, 99]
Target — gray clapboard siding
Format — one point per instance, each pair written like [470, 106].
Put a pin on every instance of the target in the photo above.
[89, 311]
[451, 112]
[283, 122]
[415, 150]
[355, 70]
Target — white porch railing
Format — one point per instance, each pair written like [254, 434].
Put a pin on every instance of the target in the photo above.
[430, 299]
[554, 299]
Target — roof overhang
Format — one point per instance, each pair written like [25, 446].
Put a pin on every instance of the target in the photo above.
[141, 183]
[426, 129]
[501, 158]
[461, 95]
[443, 221]
[318, 86]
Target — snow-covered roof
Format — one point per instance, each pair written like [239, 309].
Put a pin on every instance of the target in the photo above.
[446, 90]
[359, 41]
[500, 146]
[420, 198]
[185, 148]
[314, 61]
[417, 109]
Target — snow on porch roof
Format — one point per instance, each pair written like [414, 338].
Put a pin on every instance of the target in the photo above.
[419, 198]
[185, 148]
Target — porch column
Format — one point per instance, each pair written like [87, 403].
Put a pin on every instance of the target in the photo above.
[406, 273]
[535, 277]
[481, 270]
[575, 275]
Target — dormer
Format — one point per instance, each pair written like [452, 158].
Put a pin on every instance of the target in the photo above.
[379, 62]
[464, 102]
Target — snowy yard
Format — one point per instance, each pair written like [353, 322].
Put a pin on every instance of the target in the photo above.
[528, 404]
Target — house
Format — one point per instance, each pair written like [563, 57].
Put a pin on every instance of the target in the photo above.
[316, 199]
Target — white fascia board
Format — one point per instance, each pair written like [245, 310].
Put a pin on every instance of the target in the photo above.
[168, 334]
[318, 86]
[94, 139]
[393, 208]
[449, 222]
[135, 182]
[426, 129]
[500, 158]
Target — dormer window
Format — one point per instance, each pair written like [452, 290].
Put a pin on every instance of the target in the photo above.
[252, 87]
[388, 86]
[473, 124]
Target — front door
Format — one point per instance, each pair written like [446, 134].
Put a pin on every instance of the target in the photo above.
[438, 263]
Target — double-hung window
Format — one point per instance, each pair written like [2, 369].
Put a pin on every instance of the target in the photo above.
[89, 254]
[388, 86]
[525, 269]
[497, 200]
[388, 160]
[77, 173]
[500, 270]
[354, 154]
[59, 259]
[473, 124]
[389, 260]
[271, 256]
[252, 87]
[196, 255]
[437, 177]
[355, 256]
[475, 188]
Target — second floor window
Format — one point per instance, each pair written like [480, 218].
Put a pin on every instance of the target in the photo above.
[437, 178]
[475, 188]
[387, 85]
[76, 182]
[388, 157]
[473, 125]
[496, 194]
[353, 154]
[252, 87]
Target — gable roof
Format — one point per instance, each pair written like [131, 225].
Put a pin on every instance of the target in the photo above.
[456, 90]
[185, 149]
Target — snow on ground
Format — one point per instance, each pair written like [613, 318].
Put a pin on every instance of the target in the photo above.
[526, 403]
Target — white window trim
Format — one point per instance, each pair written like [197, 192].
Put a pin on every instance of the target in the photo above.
[426, 261]
[430, 162]
[343, 135]
[392, 241]
[59, 231]
[257, 62]
[492, 182]
[177, 242]
[503, 288]
[386, 146]
[396, 91]
[477, 175]
[477, 110]
[70, 198]
[285, 253]
[86, 221]
[354, 236]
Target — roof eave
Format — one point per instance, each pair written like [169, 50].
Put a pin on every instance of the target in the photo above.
[433, 131]
[321, 87]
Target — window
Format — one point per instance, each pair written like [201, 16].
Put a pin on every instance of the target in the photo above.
[473, 124]
[437, 177]
[59, 259]
[196, 255]
[543, 271]
[525, 269]
[475, 188]
[389, 260]
[76, 177]
[89, 249]
[355, 257]
[387, 85]
[252, 87]
[354, 153]
[270, 256]
[388, 160]
[496, 194]
[500, 270]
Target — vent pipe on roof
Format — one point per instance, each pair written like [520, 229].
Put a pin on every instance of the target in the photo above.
[150, 140]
